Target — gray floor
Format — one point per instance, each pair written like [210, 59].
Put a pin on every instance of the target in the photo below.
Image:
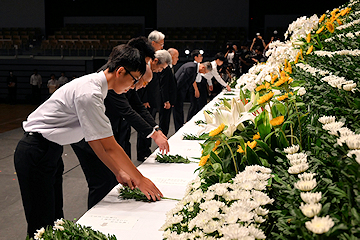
[12, 218]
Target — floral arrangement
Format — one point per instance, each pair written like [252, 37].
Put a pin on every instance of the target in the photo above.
[168, 158]
[280, 121]
[65, 229]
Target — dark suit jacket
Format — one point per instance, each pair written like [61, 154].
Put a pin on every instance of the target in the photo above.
[185, 75]
[129, 107]
[151, 93]
[167, 86]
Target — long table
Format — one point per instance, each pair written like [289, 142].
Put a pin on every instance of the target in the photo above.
[135, 220]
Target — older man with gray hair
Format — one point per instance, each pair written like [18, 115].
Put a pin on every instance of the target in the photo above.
[156, 39]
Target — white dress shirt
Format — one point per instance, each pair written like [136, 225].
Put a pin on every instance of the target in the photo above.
[214, 73]
[73, 112]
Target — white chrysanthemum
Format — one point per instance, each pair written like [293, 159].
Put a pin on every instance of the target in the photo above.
[356, 153]
[296, 156]
[59, 222]
[259, 219]
[353, 142]
[301, 91]
[257, 168]
[236, 195]
[327, 119]
[305, 185]
[298, 161]
[310, 209]
[261, 198]
[39, 233]
[309, 197]
[344, 131]
[300, 168]
[209, 195]
[320, 225]
[58, 227]
[292, 149]
[261, 211]
[333, 125]
[234, 231]
[257, 233]
[306, 176]
[260, 185]
[212, 206]
[211, 226]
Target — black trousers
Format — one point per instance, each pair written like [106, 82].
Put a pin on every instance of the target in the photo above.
[164, 120]
[98, 176]
[178, 112]
[39, 168]
[122, 136]
[196, 104]
[143, 143]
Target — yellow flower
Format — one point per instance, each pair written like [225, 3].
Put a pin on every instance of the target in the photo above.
[310, 50]
[277, 121]
[216, 131]
[265, 98]
[256, 136]
[267, 85]
[240, 150]
[322, 18]
[320, 30]
[333, 12]
[297, 58]
[283, 97]
[203, 160]
[282, 80]
[252, 144]
[308, 37]
[339, 21]
[259, 88]
[217, 143]
[345, 11]
[301, 54]
[273, 79]
[330, 27]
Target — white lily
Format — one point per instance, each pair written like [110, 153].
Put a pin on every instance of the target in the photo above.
[233, 118]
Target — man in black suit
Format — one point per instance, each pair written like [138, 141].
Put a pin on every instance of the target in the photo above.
[185, 78]
[167, 92]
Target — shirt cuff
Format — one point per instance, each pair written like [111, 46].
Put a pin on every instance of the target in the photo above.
[153, 131]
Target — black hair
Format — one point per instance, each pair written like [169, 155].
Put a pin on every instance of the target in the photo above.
[195, 53]
[125, 56]
[220, 56]
[143, 45]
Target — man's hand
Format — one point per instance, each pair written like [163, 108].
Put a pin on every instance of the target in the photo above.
[211, 88]
[125, 180]
[228, 88]
[161, 140]
[197, 93]
[167, 105]
[146, 105]
[149, 189]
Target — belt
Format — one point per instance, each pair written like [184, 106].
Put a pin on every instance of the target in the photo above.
[35, 134]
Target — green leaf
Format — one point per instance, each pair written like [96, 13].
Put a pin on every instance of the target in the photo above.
[252, 157]
[217, 168]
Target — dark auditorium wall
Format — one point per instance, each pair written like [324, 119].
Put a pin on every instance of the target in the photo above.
[210, 13]
[22, 13]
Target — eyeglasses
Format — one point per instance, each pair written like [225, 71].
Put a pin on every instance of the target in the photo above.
[135, 80]
[161, 44]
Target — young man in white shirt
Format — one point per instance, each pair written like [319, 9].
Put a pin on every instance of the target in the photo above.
[73, 112]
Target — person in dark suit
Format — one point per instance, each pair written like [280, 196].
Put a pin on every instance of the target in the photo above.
[167, 92]
[185, 78]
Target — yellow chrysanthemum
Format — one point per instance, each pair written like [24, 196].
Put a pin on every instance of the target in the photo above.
[291, 93]
[320, 30]
[277, 121]
[252, 144]
[322, 18]
[339, 22]
[273, 79]
[333, 12]
[267, 85]
[345, 11]
[217, 143]
[283, 97]
[297, 58]
[282, 80]
[330, 27]
[288, 69]
[256, 136]
[310, 50]
[240, 150]
[203, 160]
[301, 54]
[216, 131]
[265, 98]
[308, 37]
[259, 88]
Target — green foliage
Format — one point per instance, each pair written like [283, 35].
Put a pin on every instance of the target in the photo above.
[167, 158]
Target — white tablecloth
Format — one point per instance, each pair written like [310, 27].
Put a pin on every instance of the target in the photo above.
[129, 219]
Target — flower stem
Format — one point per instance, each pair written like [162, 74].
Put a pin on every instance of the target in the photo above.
[232, 155]
[298, 117]
[171, 198]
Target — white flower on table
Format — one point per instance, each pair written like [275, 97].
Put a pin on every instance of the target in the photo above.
[320, 225]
